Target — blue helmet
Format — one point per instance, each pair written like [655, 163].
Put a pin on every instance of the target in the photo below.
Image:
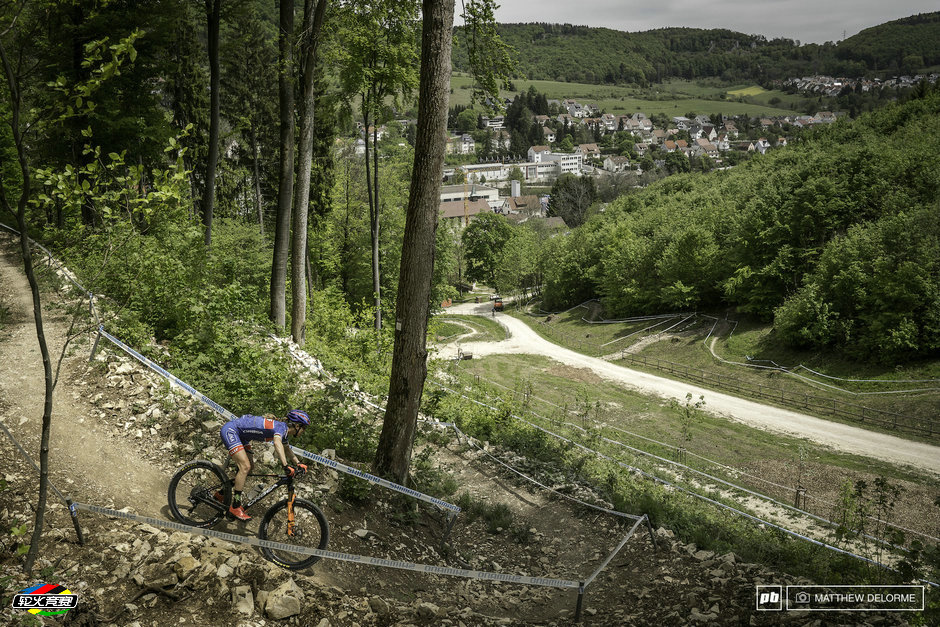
[298, 416]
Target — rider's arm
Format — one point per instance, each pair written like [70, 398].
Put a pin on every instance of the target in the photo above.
[279, 447]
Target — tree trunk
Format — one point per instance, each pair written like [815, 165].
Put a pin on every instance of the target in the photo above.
[213, 17]
[409, 359]
[376, 270]
[20, 213]
[313, 22]
[259, 209]
[285, 192]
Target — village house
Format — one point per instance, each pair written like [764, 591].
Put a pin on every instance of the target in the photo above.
[463, 213]
[708, 147]
[588, 151]
[548, 135]
[536, 153]
[616, 163]
[641, 148]
[762, 145]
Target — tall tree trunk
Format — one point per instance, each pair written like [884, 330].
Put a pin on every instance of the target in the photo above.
[376, 270]
[213, 17]
[409, 359]
[313, 22]
[285, 192]
[257, 178]
[46, 429]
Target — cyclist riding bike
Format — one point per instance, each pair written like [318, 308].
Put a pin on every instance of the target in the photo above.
[237, 436]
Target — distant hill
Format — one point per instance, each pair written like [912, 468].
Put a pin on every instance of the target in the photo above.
[603, 56]
[902, 45]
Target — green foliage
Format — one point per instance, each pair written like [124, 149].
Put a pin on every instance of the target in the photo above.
[498, 517]
[484, 240]
[489, 59]
[563, 52]
[571, 198]
[335, 425]
[832, 237]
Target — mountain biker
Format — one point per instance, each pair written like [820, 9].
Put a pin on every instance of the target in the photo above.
[237, 436]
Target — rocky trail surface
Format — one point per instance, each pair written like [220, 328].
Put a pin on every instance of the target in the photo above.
[841, 437]
[118, 435]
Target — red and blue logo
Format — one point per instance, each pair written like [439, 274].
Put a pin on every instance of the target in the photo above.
[45, 599]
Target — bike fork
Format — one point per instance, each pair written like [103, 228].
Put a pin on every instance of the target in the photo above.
[290, 515]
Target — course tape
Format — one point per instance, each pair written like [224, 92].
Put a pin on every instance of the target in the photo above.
[613, 553]
[30, 460]
[335, 555]
[542, 485]
[199, 396]
[173, 379]
[376, 480]
[679, 488]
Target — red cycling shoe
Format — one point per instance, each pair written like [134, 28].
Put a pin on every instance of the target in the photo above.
[239, 513]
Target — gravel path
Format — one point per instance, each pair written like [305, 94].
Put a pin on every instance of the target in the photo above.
[839, 436]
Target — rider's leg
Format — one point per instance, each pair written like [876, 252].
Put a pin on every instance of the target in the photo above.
[243, 461]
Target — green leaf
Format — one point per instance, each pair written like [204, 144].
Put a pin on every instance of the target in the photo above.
[22, 549]
[114, 156]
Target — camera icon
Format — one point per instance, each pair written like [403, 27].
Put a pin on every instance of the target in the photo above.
[802, 597]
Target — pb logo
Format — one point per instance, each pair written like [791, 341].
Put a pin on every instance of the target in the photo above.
[769, 598]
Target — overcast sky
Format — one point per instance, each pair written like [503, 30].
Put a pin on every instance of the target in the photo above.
[809, 21]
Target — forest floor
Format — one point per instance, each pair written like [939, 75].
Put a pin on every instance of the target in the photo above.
[118, 435]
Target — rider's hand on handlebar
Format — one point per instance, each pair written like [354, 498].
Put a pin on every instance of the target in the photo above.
[290, 471]
[301, 469]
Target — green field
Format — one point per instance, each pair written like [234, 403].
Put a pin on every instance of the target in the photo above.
[683, 355]
[673, 98]
[747, 91]
[562, 399]
[487, 330]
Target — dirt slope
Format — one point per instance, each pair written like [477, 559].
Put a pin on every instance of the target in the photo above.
[117, 439]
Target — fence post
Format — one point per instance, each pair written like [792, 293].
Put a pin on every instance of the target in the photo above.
[73, 512]
[577, 610]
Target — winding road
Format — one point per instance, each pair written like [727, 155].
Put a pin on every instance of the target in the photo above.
[846, 438]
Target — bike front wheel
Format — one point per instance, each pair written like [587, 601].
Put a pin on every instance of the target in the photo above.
[199, 494]
[310, 530]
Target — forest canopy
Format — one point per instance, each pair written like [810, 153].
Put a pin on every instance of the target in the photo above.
[583, 54]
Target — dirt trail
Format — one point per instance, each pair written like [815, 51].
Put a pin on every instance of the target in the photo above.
[841, 437]
[88, 461]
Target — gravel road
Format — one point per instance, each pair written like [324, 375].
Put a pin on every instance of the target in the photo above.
[836, 435]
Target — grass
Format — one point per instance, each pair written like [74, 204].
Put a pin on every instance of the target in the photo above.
[561, 399]
[672, 98]
[756, 340]
[754, 90]
[559, 390]
[487, 330]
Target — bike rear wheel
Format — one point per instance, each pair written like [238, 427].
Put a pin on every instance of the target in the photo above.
[199, 494]
[310, 531]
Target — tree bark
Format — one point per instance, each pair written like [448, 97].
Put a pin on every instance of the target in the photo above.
[376, 269]
[257, 178]
[213, 17]
[20, 213]
[409, 359]
[285, 192]
[313, 22]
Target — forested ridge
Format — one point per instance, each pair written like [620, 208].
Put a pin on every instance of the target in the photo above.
[836, 239]
[584, 54]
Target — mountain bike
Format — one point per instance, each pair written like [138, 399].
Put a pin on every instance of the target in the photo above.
[200, 494]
